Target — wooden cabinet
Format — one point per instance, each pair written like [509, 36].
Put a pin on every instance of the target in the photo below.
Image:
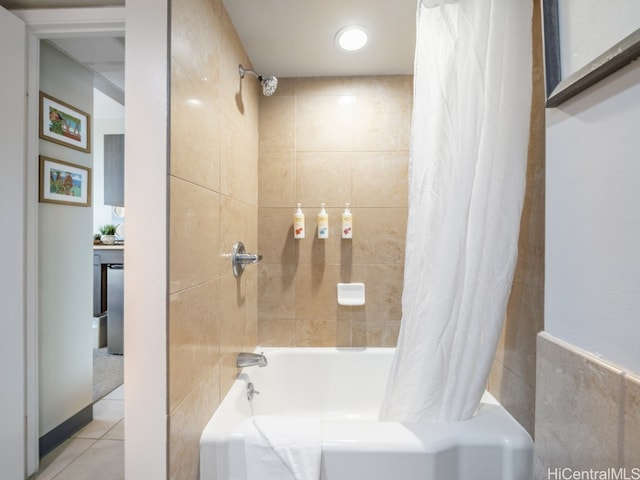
[114, 170]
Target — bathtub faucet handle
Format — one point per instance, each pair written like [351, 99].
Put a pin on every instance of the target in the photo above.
[251, 391]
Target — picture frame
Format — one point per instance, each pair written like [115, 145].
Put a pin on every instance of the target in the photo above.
[559, 89]
[64, 124]
[64, 183]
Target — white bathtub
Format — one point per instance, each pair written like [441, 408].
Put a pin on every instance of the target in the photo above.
[344, 387]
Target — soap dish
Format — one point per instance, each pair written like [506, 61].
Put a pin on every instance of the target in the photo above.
[351, 294]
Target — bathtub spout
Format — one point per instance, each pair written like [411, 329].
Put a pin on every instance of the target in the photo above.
[251, 359]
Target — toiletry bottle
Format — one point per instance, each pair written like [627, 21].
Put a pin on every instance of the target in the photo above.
[347, 223]
[323, 224]
[298, 223]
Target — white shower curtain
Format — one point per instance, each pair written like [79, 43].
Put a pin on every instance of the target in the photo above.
[470, 132]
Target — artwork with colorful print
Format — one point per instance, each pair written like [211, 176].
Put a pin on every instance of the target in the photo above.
[63, 182]
[63, 124]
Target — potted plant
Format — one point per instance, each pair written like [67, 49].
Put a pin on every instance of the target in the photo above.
[108, 232]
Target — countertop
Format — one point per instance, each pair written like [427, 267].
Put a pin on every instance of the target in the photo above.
[108, 247]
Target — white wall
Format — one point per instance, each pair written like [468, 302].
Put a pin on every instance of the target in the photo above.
[65, 265]
[12, 282]
[146, 254]
[592, 280]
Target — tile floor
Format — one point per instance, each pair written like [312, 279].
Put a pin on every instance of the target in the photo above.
[96, 452]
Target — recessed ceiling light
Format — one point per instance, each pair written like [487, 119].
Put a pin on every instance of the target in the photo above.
[352, 38]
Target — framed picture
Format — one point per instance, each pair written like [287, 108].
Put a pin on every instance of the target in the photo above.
[63, 124]
[64, 182]
[578, 51]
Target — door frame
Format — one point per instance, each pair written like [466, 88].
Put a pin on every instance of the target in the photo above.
[13, 52]
[44, 24]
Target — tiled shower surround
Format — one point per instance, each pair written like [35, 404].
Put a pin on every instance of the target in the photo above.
[337, 141]
[213, 185]
[513, 376]
[239, 163]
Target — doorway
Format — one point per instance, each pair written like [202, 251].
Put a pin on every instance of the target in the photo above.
[108, 361]
[68, 360]
[43, 24]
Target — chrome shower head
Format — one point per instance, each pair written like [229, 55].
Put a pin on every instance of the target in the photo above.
[269, 84]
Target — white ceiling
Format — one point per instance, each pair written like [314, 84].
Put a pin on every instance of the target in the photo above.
[103, 55]
[285, 38]
[295, 38]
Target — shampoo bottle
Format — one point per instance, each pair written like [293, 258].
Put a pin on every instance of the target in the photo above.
[347, 223]
[298, 223]
[323, 224]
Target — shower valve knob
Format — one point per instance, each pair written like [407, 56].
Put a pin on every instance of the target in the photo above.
[240, 258]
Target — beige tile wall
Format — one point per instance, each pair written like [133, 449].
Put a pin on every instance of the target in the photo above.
[588, 412]
[213, 187]
[513, 376]
[333, 140]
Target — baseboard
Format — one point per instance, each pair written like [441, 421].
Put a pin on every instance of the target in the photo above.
[59, 434]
